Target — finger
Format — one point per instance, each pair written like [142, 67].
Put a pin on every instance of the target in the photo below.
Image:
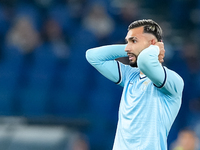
[160, 57]
[161, 60]
[162, 53]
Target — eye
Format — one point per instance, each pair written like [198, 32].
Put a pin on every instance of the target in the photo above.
[134, 41]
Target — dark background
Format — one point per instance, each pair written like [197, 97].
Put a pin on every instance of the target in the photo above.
[45, 79]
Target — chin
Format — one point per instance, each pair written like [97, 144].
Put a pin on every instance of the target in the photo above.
[133, 64]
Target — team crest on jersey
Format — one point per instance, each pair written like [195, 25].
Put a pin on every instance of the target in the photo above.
[145, 84]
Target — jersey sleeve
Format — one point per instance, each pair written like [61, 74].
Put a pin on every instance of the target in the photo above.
[103, 59]
[163, 78]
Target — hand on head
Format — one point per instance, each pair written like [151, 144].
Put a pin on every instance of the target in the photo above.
[162, 51]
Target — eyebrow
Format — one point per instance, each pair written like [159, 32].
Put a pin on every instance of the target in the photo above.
[131, 38]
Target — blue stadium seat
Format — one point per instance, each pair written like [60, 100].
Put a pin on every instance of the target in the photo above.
[9, 68]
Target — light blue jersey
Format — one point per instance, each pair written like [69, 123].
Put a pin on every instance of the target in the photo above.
[150, 101]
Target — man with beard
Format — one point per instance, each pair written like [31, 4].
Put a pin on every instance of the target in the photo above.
[152, 93]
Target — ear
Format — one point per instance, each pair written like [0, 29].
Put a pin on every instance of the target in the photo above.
[153, 41]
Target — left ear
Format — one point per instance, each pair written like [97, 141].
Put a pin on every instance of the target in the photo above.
[153, 41]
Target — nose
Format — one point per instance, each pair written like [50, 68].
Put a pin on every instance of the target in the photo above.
[127, 48]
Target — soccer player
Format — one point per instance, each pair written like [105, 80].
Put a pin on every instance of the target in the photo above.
[152, 93]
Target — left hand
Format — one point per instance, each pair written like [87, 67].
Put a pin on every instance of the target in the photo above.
[162, 51]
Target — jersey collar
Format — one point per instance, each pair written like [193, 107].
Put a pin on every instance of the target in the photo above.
[142, 76]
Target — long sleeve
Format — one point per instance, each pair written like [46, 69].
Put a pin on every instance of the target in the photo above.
[165, 79]
[103, 59]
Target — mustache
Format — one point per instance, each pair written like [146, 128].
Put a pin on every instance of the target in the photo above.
[131, 54]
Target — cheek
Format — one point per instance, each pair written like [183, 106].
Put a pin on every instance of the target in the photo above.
[137, 48]
[145, 44]
[141, 46]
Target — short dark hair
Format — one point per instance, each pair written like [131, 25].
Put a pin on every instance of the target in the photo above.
[150, 26]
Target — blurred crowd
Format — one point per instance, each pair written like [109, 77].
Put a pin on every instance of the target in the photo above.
[43, 70]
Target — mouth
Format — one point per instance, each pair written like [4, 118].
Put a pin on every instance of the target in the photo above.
[132, 57]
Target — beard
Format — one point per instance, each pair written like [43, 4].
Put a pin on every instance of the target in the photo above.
[132, 59]
[133, 64]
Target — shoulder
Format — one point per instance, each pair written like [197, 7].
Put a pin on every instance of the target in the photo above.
[174, 82]
[128, 69]
[172, 74]
[127, 72]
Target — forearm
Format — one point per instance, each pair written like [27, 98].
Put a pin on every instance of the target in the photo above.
[103, 59]
[105, 53]
[149, 64]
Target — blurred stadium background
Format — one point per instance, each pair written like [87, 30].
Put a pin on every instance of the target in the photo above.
[51, 98]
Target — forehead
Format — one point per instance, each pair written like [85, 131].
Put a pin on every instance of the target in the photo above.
[135, 32]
